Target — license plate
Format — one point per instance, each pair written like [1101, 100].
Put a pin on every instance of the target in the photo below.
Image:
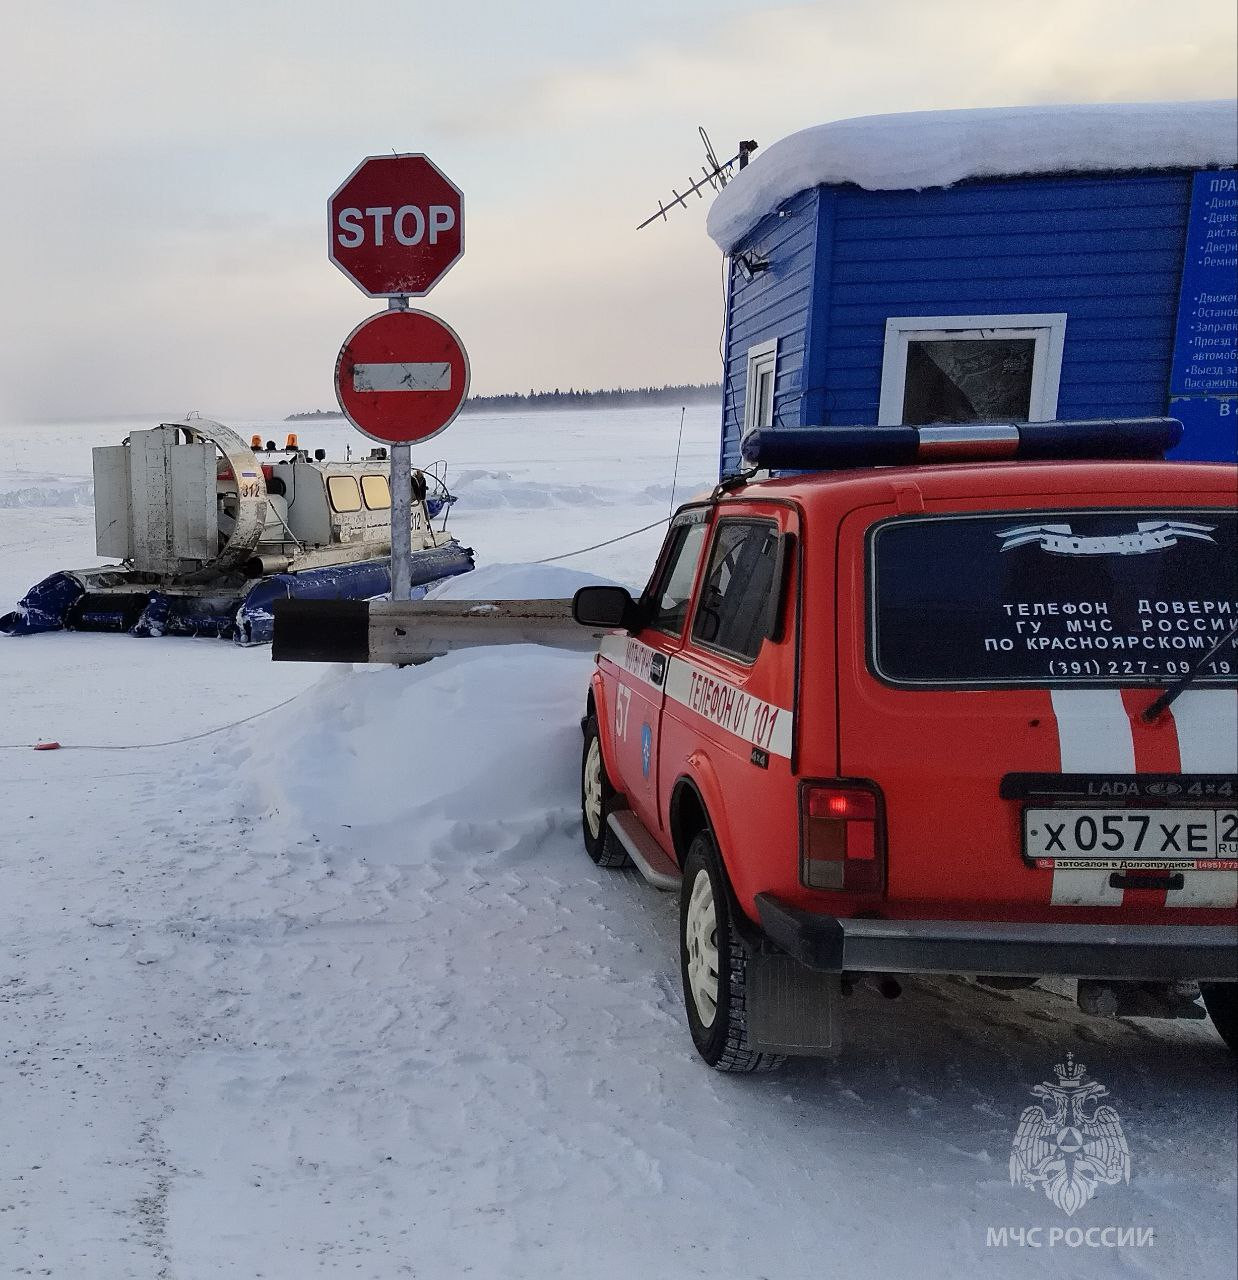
[1131, 839]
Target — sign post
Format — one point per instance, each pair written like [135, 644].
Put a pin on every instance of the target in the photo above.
[395, 227]
[401, 506]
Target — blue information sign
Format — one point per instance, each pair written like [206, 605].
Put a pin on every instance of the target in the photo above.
[1206, 345]
[1210, 428]
[1203, 382]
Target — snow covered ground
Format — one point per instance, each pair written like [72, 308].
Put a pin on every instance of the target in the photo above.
[337, 993]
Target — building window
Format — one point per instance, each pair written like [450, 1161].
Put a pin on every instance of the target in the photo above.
[971, 369]
[376, 492]
[759, 396]
[344, 494]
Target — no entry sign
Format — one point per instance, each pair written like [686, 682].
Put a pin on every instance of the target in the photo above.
[401, 376]
[395, 225]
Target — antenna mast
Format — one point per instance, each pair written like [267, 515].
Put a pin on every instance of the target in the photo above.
[713, 174]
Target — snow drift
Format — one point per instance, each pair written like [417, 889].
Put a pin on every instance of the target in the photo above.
[417, 756]
[423, 758]
[918, 149]
[516, 582]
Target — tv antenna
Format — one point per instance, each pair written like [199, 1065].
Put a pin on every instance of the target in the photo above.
[713, 175]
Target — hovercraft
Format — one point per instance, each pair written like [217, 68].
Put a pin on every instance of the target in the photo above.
[209, 532]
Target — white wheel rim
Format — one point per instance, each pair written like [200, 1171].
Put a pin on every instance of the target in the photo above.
[593, 788]
[701, 941]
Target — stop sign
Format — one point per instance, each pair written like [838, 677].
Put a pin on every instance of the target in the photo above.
[401, 376]
[395, 226]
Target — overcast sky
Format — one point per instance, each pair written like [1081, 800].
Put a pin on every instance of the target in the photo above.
[167, 166]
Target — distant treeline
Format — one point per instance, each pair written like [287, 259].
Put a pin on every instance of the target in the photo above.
[682, 393]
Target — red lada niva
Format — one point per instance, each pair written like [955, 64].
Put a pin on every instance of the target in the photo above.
[972, 711]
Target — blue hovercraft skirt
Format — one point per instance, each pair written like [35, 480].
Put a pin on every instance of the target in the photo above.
[66, 601]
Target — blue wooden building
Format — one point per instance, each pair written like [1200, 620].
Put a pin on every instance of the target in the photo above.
[1029, 263]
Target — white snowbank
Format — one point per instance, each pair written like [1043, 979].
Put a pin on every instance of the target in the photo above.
[51, 492]
[920, 149]
[516, 582]
[423, 757]
[480, 736]
[477, 487]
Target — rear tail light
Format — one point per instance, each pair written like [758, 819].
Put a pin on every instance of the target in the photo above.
[842, 841]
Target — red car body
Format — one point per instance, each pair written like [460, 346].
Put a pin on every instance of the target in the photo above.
[933, 779]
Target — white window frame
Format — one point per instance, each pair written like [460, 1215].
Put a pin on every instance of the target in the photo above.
[1047, 330]
[761, 357]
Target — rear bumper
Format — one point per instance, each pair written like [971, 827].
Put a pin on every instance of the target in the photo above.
[1144, 952]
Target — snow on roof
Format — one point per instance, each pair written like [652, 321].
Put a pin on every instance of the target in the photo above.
[920, 149]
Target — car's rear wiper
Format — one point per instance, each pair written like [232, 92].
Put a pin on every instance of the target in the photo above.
[1170, 692]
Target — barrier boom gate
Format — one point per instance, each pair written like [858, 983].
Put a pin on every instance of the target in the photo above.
[404, 632]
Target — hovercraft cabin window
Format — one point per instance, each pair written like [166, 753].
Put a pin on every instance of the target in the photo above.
[344, 494]
[971, 369]
[376, 492]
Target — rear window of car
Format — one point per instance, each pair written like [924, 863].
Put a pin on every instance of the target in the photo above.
[1059, 597]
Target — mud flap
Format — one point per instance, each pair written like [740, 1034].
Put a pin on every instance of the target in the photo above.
[791, 1008]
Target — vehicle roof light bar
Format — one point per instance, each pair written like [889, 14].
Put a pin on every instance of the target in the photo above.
[833, 448]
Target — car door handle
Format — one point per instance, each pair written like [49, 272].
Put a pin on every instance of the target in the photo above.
[657, 668]
[1174, 880]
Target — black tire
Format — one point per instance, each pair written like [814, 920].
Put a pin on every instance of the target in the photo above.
[722, 1040]
[600, 842]
[1221, 1001]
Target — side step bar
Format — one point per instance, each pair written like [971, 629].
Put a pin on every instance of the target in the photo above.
[645, 851]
